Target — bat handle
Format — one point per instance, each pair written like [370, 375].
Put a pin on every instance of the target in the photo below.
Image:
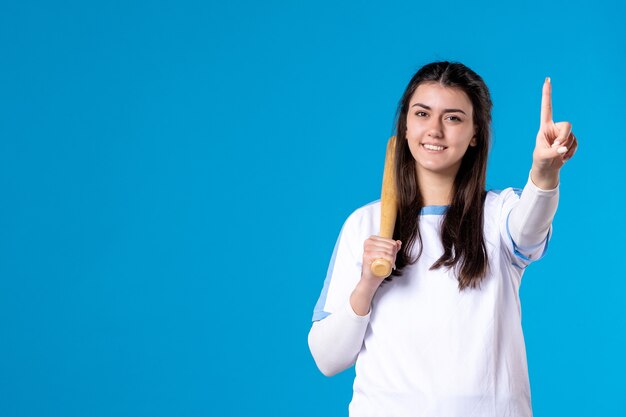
[381, 268]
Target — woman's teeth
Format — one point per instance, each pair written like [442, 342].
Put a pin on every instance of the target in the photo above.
[433, 147]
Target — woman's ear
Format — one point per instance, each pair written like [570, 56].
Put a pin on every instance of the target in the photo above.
[473, 141]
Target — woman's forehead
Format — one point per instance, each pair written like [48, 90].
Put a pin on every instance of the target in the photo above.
[435, 95]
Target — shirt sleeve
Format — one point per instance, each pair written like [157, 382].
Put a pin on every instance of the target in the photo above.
[344, 269]
[526, 225]
[336, 341]
[337, 332]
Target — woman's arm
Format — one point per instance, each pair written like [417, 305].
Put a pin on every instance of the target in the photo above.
[530, 219]
[336, 340]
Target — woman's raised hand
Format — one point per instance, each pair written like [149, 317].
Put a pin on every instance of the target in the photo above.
[555, 144]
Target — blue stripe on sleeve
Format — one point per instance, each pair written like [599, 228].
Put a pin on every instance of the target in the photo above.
[320, 315]
[318, 311]
[516, 248]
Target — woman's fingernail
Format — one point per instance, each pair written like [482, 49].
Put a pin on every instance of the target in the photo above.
[562, 150]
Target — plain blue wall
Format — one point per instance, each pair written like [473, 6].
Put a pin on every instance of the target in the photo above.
[174, 175]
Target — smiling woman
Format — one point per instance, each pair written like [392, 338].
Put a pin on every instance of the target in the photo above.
[439, 133]
[457, 118]
[442, 336]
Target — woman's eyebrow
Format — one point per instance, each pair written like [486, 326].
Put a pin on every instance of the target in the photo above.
[444, 110]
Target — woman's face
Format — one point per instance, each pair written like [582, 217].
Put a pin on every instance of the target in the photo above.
[440, 127]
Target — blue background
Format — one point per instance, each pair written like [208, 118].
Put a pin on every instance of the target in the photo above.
[174, 175]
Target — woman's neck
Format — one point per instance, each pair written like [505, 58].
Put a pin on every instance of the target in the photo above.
[436, 189]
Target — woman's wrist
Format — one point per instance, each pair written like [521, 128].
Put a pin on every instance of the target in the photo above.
[545, 179]
[361, 297]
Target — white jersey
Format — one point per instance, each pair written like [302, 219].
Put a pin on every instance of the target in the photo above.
[430, 349]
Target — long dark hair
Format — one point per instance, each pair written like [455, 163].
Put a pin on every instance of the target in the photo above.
[462, 227]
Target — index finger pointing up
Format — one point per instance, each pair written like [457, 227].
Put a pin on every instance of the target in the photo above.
[546, 102]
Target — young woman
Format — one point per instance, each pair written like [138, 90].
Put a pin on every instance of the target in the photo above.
[442, 336]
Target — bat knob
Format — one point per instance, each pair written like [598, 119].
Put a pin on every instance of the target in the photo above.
[381, 268]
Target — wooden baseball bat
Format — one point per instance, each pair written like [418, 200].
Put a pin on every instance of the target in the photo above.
[388, 207]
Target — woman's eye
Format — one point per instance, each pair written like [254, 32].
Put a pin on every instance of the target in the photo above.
[454, 118]
[420, 114]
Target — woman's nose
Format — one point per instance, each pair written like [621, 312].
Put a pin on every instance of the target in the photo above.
[435, 128]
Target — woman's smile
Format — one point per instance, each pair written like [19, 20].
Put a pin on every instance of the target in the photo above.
[434, 148]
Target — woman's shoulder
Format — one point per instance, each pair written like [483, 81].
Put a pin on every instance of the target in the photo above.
[366, 218]
[498, 203]
[495, 196]
[367, 209]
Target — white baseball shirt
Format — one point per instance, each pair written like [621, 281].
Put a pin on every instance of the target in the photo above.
[426, 348]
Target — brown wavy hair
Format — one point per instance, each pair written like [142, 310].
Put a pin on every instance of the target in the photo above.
[462, 227]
